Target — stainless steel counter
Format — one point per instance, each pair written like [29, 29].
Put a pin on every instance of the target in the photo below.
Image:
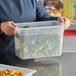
[64, 65]
[69, 44]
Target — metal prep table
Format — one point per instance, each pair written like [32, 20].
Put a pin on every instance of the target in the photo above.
[64, 65]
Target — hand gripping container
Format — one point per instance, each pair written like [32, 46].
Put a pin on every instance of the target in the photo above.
[39, 39]
[26, 71]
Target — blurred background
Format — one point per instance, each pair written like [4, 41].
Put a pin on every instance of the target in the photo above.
[65, 8]
[62, 8]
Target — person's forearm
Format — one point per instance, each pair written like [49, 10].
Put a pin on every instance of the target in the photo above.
[0, 29]
[42, 14]
[48, 17]
[2, 35]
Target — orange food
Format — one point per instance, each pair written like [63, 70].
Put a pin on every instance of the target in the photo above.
[8, 72]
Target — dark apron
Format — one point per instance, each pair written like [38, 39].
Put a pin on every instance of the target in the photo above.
[17, 11]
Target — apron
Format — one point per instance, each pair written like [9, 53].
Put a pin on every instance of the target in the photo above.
[18, 11]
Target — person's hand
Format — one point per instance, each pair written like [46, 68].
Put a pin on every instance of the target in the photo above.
[65, 21]
[8, 27]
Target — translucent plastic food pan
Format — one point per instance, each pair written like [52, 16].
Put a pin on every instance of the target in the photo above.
[39, 39]
[26, 72]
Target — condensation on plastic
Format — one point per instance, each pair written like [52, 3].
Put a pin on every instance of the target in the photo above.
[39, 39]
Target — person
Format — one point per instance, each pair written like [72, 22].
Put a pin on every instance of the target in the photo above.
[18, 11]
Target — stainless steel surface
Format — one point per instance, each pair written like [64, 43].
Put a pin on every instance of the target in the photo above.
[73, 25]
[64, 65]
[69, 44]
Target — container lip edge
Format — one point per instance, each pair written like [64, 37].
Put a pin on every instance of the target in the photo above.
[57, 26]
[38, 22]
